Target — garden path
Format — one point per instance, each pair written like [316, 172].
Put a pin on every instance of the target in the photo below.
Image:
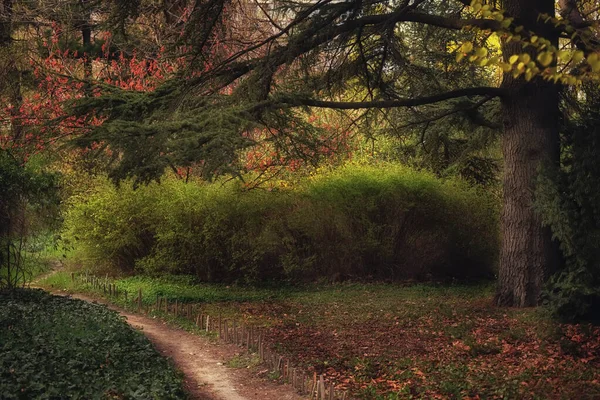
[202, 362]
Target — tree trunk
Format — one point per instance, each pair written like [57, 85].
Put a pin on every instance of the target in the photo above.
[530, 141]
[86, 37]
[531, 117]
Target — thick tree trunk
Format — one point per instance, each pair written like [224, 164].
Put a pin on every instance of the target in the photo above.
[531, 117]
[530, 141]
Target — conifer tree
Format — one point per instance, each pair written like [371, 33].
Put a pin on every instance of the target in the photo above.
[361, 55]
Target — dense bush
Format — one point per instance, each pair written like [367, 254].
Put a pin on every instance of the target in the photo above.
[569, 202]
[384, 222]
[28, 206]
[58, 348]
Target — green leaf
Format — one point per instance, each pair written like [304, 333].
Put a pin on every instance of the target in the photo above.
[545, 58]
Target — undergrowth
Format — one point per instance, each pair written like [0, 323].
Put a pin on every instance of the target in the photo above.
[358, 222]
[54, 347]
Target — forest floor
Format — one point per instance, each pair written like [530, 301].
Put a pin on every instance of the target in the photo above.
[383, 341]
[203, 362]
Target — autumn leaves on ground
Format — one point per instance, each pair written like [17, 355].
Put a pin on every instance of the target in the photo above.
[405, 341]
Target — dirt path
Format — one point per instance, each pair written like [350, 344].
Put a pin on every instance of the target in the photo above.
[202, 363]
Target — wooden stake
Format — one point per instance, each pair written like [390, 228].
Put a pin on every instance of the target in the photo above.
[286, 370]
[235, 340]
[139, 299]
[220, 326]
[207, 323]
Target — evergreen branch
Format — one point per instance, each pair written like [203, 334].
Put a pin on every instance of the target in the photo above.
[356, 105]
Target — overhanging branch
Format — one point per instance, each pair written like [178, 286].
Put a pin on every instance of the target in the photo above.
[357, 105]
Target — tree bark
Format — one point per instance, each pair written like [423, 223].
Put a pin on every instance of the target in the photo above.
[530, 141]
[86, 37]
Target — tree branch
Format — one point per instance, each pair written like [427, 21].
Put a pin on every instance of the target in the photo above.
[418, 101]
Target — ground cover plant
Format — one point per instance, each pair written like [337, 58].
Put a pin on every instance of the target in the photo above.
[386, 341]
[54, 347]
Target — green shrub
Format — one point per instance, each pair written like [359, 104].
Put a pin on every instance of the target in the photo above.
[54, 347]
[569, 203]
[28, 208]
[356, 222]
[113, 227]
[391, 222]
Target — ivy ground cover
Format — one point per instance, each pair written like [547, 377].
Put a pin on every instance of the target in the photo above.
[54, 347]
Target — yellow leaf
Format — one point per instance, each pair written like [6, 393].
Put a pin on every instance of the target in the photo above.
[481, 52]
[525, 58]
[506, 23]
[594, 61]
[564, 55]
[466, 47]
[578, 56]
[459, 56]
[545, 58]
[513, 59]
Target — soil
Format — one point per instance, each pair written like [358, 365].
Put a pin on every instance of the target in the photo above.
[203, 362]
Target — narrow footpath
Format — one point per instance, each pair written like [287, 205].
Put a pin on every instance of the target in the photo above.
[203, 362]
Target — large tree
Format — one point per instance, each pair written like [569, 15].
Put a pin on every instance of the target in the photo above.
[374, 55]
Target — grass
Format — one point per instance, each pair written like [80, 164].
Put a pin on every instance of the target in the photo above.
[54, 347]
[386, 341]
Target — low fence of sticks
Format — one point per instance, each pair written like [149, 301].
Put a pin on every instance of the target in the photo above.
[230, 331]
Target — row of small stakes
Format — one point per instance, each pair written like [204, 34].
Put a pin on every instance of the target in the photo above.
[242, 335]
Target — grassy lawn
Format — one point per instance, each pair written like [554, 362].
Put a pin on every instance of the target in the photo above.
[53, 347]
[399, 342]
